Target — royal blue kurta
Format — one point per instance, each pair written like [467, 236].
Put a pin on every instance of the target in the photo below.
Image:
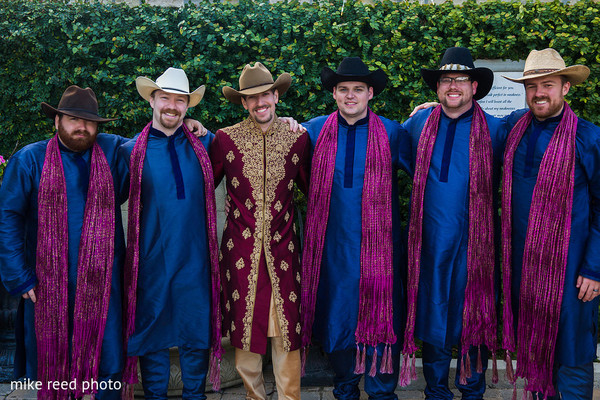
[443, 275]
[578, 326]
[18, 237]
[174, 281]
[336, 312]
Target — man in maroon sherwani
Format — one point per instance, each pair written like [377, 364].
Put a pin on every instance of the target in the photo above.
[260, 267]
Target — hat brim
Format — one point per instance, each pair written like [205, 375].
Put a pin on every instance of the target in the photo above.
[376, 79]
[575, 74]
[51, 112]
[483, 76]
[146, 87]
[282, 84]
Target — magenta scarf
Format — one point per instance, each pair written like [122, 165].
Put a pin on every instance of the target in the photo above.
[94, 275]
[133, 255]
[544, 256]
[479, 313]
[375, 315]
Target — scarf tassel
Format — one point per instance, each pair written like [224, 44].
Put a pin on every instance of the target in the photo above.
[510, 373]
[373, 370]
[360, 363]
[214, 373]
[494, 368]
[463, 374]
[303, 356]
[479, 364]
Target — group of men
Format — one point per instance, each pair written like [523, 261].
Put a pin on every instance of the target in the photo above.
[359, 290]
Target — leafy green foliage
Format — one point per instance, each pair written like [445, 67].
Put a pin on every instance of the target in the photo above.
[48, 45]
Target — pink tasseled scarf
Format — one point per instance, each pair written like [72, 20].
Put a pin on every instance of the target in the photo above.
[94, 275]
[479, 314]
[375, 315]
[133, 254]
[544, 256]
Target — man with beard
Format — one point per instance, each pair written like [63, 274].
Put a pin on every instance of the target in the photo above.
[456, 153]
[551, 234]
[171, 271]
[261, 157]
[62, 250]
[352, 260]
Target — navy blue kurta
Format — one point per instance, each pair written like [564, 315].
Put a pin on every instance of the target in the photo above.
[443, 276]
[18, 237]
[578, 326]
[174, 281]
[336, 313]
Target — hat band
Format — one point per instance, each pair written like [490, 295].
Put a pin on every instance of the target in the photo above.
[255, 86]
[77, 110]
[539, 71]
[454, 67]
[176, 89]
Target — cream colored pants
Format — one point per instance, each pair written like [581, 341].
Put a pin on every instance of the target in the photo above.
[286, 366]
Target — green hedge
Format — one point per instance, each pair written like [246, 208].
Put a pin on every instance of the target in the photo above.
[48, 45]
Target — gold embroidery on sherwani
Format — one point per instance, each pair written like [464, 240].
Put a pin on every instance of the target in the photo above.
[298, 328]
[291, 184]
[228, 275]
[246, 233]
[240, 263]
[228, 306]
[293, 297]
[236, 213]
[286, 216]
[230, 244]
[298, 277]
[232, 326]
[278, 206]
[230, 156]
[284, 266]
[291, 246]
[220, 255]
[295, 158]
[234, 182]
[277, 237]
[235, 295]
[260, 150]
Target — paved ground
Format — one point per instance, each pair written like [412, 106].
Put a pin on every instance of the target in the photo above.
[501, 391]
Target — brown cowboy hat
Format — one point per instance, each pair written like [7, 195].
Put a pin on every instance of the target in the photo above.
[548, 62]
[77, 102]
[173, 80]
[254, 80]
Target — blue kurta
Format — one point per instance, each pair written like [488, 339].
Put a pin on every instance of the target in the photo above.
[174, 281]
[443, 275]
[18, 237]
[336, 313]
[578, 326]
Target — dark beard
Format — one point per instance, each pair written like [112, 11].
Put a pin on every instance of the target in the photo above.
[76, 144]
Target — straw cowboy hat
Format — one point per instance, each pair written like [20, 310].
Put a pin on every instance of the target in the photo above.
[459, 59]
[353, 69]
[254, 80]
[77, 102]
[174, 80]
[548, 62]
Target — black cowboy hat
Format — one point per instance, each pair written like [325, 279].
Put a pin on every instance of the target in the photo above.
[459, 59]
[353, 69]
[77, 102]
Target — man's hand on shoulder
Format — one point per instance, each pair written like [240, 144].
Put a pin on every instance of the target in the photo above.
[423, 106]
[30, 295]
[195, 127]
[294, 125]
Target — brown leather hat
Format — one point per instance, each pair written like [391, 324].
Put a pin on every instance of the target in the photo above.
[77, 102]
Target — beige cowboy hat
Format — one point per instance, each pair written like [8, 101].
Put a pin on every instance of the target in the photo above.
[174, 80]
[548, 62]
[254, 80]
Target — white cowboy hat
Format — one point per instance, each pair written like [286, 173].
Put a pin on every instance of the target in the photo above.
[548, 62]
[174, 80]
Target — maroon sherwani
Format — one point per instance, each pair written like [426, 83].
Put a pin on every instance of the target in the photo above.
[260, 248]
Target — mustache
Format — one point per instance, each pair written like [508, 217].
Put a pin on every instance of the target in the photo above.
[541, 98]
[171, 111]
[82, 132]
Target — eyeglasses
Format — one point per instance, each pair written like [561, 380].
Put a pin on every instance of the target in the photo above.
[459, 80]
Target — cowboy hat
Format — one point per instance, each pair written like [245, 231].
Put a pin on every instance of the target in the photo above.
[77, 102]
[174, 80]
[548, 62]
[459, 60]
[353, 69]
[254, 80]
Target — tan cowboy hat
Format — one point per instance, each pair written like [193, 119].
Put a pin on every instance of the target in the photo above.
[548, 62]
[77, 102]
[174, 80]
[254, 80]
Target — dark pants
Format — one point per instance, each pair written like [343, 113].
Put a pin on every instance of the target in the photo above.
[379, 387]
[436, 368]
[155, 368]
[572, 383]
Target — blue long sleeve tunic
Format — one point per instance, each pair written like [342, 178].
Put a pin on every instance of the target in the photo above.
[336, 313]
[174, 283]
[443, 276]
[578, 325]
[18, 237]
